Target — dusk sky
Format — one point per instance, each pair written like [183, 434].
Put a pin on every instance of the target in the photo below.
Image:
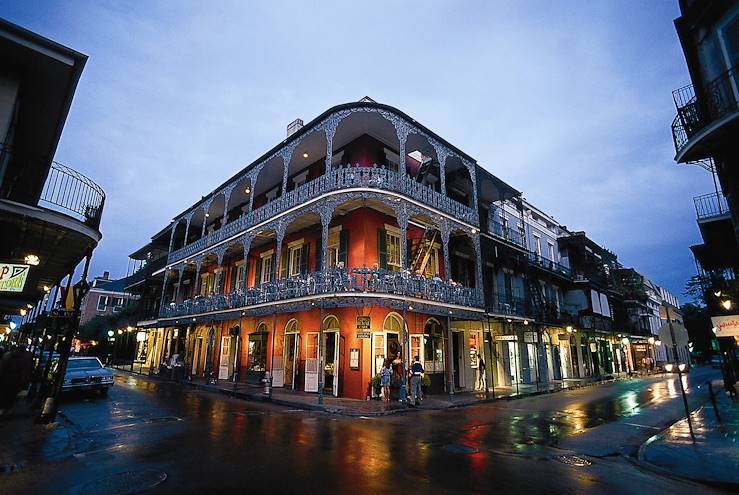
[569, 102]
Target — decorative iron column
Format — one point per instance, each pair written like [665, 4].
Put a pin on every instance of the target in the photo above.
[187, 229]
[280, 235]
[196, 286]
[402, 218]
[219, 272]
[445, 231]
[181, 272]
[326, 212]
[164, 291]
[246, 243]
[478, 264]
[171, 237]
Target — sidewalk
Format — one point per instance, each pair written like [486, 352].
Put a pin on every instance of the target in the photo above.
[714, 459]
[355, 407]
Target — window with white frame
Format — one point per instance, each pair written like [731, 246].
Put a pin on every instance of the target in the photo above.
[102, 303]
[537, 244]
[392, 239]
[294, 258]
[117, 303]
[334, 246]
[550, 248]
[267, 266]
[240, 276]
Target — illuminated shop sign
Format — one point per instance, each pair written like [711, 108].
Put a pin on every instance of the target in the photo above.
[13, 277]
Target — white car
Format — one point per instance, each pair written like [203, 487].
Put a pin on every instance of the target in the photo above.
[87, 373]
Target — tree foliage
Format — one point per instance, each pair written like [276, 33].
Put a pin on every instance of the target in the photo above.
[97, 328]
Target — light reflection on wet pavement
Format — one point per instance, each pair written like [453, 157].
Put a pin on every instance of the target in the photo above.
[208, 443]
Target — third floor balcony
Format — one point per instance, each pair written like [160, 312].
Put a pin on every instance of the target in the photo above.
[705, 117]
[334, 182]
[711, 206]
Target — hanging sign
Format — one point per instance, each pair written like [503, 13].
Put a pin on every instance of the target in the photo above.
[726, 326]
[506, 337]
[13, 277]
[363, 327]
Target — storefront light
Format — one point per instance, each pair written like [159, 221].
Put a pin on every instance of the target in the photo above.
[726, 304]
[141, 336]
[625, 341]
[12, 325]
[681, 366]
[650, 340]
[31, 259]
[525, 322]
[658, 342]
[22, 312]
[120, 332]
[668, 367]
[569, 328]
[111, 333]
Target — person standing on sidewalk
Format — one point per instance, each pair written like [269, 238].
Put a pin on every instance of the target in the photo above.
[416, 376]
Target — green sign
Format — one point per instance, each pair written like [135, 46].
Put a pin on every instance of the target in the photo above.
[714, 345]
[13, 277]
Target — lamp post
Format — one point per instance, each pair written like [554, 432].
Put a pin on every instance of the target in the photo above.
[680, 368]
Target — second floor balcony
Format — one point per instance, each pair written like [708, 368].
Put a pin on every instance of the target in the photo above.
[336, 180]
[705, 116]
[354, 282]
[711, 206]
[550, 266]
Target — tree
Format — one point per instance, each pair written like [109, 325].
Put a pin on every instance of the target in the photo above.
[697, 321]
[97, 328]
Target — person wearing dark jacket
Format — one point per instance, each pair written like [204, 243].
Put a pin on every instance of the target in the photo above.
[416, 378]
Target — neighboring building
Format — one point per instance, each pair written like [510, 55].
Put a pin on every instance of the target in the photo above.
[49, 213]
[372, 230]
[106, 297]
[705, 133]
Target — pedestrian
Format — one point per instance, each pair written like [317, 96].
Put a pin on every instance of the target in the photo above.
[400, 372]
[416, 378]
[729, 380]
[481, 371]
[385, 373]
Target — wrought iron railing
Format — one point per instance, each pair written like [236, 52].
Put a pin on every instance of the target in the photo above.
[506, 233]
[73, 193]
[357, 281]
[710, 205]
[549, 265]
[695, 112]
[335, 180]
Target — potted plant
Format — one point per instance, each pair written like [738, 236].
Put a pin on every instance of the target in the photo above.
[375, 384]
[425, 383]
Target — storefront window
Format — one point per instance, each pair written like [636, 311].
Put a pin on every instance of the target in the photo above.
[433, 346]
[257, 360]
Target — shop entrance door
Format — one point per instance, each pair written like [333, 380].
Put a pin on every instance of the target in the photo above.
[291, 352]
[331, 366]
[458, 359]
[197, 352]
[311, 362]
[223, 363]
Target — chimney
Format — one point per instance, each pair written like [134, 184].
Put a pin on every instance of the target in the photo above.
[106, 275]
[294, 127]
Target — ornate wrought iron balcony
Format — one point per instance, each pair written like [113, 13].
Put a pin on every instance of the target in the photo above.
[709, 206]
[549, 265]
[357, 281]
[506, 233]
[696, 112]
[335, 180]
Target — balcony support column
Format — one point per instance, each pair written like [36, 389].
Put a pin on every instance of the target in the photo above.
[162, 301]
[246, 243]
[280, 236]
[326, 212]
[478, 264]
[196, 283]
[187, 230]
[473, 178]
[171, 238]
[442, 170]
[445, 232]
[402, 218]
[219, 272]
[330, 130]
[181, 271]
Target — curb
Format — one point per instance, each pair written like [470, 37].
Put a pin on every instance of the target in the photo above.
[642, 462]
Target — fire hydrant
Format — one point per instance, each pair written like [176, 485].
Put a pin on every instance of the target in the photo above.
[267, 381]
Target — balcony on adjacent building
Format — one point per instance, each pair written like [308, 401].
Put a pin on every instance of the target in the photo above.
[711, 206]
[550, 266]
[355, 282]
[338, 179]
[705, 118]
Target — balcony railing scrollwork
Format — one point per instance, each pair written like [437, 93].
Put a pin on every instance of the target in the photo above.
[335, 180]
[549, 265]
[357, 281]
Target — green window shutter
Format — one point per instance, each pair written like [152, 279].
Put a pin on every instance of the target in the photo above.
[283, 265]
[382, 248]
[304, 251]
[257, 272]
[343, 247]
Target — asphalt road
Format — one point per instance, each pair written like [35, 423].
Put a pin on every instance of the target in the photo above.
[569, 442]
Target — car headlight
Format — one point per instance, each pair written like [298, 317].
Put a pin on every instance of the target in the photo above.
[67, 381]
[107, 378]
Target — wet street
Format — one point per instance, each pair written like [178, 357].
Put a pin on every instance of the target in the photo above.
[577, 441]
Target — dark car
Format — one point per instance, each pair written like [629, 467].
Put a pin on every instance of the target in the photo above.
[87, 373]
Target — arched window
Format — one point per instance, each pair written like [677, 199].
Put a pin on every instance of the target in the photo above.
[433, 347]
[393, 323]
[331, 324]
[292, 326]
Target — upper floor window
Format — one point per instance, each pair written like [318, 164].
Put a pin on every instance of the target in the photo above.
[393, 250]
[295, 260]
[432, 265]
[550, 248]
[117, 303]
[102, 303]
[338, 240]
[265, 267]
[537, 244]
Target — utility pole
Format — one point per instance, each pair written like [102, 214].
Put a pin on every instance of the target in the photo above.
[320, 356]
[48, 413]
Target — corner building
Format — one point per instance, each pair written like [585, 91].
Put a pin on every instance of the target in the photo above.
[360, 236]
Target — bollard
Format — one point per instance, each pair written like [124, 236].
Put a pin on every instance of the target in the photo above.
[713, 401]
[267, 381]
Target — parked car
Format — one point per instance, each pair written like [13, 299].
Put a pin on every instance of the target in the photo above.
[716, 361]
[87, 373]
